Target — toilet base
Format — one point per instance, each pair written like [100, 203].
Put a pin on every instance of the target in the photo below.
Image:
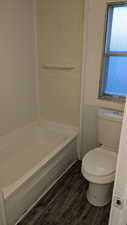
[99, 194]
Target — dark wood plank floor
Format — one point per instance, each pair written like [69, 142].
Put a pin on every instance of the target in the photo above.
[66, 204]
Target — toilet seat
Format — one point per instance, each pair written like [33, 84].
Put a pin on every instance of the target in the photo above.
[98, 165]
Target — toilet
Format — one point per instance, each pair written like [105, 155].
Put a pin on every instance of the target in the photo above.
[99, 164]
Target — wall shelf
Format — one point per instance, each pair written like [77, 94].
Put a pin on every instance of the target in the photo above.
[57, 67]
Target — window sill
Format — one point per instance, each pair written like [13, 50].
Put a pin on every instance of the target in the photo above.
[112, 99]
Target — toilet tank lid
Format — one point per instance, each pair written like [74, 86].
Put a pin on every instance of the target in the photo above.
[110, 115]
[100, 162]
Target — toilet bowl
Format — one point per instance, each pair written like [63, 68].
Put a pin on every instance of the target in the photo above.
[98, 167]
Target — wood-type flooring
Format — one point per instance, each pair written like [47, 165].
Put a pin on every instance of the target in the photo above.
[66, 204]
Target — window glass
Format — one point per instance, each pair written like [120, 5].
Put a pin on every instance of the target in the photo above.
[118, 40]
[116, 83]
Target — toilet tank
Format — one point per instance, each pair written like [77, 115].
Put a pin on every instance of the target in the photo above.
[109, 128]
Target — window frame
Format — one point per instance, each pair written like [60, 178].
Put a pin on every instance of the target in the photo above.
[106, 40]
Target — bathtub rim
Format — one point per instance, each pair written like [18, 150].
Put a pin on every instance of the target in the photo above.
[71, 130]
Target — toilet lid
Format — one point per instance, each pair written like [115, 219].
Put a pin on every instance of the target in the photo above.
[100, 162]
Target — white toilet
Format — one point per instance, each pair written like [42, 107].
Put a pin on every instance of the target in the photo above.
[99, 164]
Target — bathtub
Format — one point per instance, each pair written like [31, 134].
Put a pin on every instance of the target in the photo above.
[32, 159]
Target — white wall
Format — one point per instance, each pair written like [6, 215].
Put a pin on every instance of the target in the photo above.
[18, 103]
[93, 48]
[60, 26]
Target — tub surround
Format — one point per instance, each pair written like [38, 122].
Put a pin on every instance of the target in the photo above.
[60, 25]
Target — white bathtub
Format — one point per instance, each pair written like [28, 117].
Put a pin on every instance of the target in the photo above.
[31, 160]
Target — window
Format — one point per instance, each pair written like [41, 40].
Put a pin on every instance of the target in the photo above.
[114, 77]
